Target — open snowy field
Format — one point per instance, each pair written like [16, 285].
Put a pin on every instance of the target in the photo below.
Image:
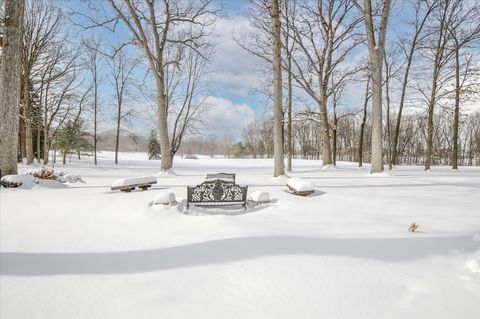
[83, 251]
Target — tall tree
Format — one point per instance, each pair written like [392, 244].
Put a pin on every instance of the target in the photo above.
[10, 78]
[376, 49]
[464, 29]
[41, 27]
[154, 25]
[121, 67]
[325, 34]
[423, 9]
[94, 60]
[279, 166]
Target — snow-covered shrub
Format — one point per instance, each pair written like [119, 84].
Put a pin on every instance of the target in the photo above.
[300, 185]
[12, 181]
[165, 198]
[42, 173]
[259, 197]
[48, 173]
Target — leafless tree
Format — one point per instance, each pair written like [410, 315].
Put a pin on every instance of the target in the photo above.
[279, 166]
[326, 33]
[423, 9]
[376, 49]
[94, 64]
[154, 25]
[121, 70]
[464, 30]
[10, 80]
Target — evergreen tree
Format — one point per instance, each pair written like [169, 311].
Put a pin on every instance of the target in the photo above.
[154, 150]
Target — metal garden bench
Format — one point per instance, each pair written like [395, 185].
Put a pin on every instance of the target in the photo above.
[217, 192]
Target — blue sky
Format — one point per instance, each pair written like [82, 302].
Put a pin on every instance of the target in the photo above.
[233, 75]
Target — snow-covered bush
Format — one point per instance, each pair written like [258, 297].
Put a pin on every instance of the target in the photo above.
[12, 181]
[165, 198]
[48, 173]
[300, 185]
[259, 197]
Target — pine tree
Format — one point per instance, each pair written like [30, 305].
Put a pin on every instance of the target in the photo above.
[154, 149]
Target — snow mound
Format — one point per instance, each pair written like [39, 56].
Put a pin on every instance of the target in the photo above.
[133, 181]
[13, 181]
[382, 174]
[28, 182]
[259, 197]
[165, 198]
[168, 173]
[70, 178]
[473, 265]
[329, 167]
[300, 185]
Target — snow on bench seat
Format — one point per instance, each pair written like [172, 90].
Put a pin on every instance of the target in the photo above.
[128, 184]
[301, 187]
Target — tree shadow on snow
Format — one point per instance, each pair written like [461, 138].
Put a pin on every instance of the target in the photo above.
[227, 251]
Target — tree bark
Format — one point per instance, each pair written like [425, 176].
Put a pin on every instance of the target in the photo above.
[279, 168]
[375, 52]
[289, 124]
[10, 77]
[362, 125]
[457, 111]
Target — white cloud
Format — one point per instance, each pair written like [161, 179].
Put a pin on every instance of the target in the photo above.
[234, 69]
[225, 117]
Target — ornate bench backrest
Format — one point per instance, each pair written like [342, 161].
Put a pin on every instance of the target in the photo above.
[217, 191]
[222, 176]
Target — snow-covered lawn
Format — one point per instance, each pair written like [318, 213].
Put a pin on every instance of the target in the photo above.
[83, 251]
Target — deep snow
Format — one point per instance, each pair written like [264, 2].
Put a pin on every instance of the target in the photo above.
[83, 251]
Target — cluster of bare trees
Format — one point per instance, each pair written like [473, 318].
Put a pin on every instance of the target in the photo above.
[417, 81]
[64, 65]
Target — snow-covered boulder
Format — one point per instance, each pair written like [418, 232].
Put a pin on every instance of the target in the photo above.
[165, 198]
[259, 197]
[300, 185]
[12, 181]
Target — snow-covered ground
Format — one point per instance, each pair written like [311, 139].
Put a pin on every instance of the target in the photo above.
[83, 251]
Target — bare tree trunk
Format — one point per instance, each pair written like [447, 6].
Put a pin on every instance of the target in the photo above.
[362, 125]
[279, 168]
[326, 150]
[39, 150]
[166, 161]
[10, 77]
[334, 139]
[27, 119]
[387, 93]
[95, 108]
[117, 138]
[457, 111]
[289, 111]
[376, 49]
